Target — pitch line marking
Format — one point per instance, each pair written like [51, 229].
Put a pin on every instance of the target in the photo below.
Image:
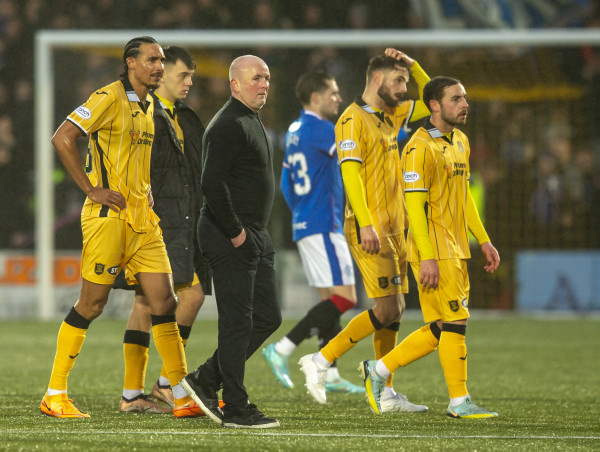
[283, 434]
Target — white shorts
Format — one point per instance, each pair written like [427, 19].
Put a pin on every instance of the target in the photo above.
[327, 260]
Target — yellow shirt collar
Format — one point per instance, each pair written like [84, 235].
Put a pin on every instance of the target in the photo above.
[168, 104]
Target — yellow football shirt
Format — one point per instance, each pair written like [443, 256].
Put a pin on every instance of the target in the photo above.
[366, 135]
[121, 132]
[434, 164]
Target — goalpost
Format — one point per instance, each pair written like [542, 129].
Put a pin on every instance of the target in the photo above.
[47, 42]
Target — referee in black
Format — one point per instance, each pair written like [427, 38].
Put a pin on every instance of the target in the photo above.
[238, 185]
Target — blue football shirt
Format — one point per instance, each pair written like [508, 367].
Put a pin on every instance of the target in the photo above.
[311, 180]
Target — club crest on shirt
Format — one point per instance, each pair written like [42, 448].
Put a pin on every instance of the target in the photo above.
[383, 282]
[99, 269]
[453, 305]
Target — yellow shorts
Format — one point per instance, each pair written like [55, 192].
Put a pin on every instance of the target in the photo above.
[189, 284]
[450, 301]
[383, 274]
[110, 244]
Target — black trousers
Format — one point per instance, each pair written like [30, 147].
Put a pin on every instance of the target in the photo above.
[245, 288]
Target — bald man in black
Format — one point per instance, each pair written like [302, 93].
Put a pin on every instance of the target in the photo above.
[238, 185]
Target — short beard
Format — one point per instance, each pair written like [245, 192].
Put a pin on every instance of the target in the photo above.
[454, 122]
[387, 99]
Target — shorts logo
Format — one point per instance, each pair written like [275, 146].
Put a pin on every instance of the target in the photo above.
[411, 176]
[453, 305]
[465, 303]
[383, 282]
[83, 112]
[347, 145]
[349, 271]
[113, 270]
[397, 280]
[99, 269]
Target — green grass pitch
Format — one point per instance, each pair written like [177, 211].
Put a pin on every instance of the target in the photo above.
[541, 375]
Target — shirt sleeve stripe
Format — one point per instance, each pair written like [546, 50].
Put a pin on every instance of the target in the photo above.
[353, 159]
[78, 126]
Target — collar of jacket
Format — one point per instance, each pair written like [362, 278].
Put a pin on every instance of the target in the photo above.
[159, 112]
[241, 106]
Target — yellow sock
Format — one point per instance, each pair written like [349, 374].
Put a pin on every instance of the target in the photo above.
[169, 346]
[358, 328]
[136, 361]
[417, 344]
[384, 341]
[68, 345]
[163, 371]
[453, 357]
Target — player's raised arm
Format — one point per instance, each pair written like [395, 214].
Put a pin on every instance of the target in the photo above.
[420, 110]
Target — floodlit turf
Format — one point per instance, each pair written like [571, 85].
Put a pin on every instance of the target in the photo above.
[542, 376]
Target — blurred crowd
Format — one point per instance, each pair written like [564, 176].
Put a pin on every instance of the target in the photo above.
[536, 158]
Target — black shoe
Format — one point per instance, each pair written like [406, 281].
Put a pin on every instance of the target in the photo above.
[248, 417]
[204, 395]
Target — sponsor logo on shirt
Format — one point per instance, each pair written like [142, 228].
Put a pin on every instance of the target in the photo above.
[347, 145]
[83, 112]
[144, 138]
[386, 146]
[411, 176]
[299, 226]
